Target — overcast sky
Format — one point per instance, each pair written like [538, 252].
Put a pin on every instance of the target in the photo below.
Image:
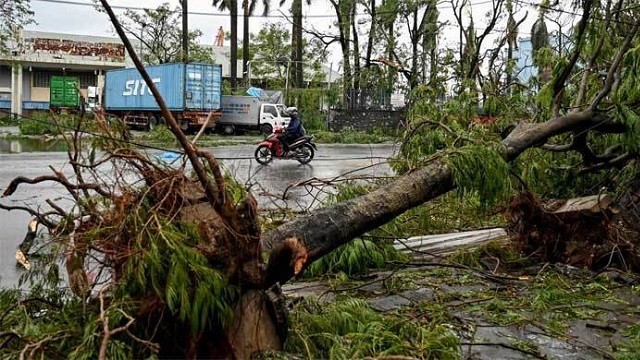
[70, 16]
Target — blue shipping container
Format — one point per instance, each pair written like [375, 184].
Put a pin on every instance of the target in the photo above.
[195, 87]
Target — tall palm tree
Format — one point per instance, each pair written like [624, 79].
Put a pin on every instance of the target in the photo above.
[296, 41]
[232, 6]
[249, 8]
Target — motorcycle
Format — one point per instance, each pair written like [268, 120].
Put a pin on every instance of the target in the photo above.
[301, 149]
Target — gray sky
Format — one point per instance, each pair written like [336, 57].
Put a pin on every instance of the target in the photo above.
[66, 16]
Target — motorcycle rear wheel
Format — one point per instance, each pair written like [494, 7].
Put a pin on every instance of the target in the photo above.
[305, 153]
[263, 154]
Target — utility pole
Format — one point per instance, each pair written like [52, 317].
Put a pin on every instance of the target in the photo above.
[185, 32]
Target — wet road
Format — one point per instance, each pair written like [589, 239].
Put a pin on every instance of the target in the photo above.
[268, 183]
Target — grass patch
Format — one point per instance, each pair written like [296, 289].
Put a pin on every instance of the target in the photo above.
[376, 136]
[7, 120]
[42, 124]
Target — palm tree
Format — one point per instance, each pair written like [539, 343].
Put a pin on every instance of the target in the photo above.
[296, 41]
[232, 6]
[249, 8]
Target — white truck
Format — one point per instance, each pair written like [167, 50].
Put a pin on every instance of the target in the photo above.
[250, 113]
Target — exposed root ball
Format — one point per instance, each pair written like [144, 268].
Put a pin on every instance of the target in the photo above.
[583, 238]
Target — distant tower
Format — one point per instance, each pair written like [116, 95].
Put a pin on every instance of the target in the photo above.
[219, 38]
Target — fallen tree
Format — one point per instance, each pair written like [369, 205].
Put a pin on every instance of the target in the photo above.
[184, 253]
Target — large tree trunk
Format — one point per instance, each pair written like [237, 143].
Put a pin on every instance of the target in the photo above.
[372, 34]
[253, 328]
[245, 44]
[328, 228]
[296, 48]
[233, 10]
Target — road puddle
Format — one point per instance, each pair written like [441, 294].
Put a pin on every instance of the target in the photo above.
[16, 146]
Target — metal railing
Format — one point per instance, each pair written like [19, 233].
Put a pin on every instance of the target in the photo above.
[363, 99]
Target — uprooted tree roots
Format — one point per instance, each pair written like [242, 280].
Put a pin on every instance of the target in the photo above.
[593, 238]
[145, 238]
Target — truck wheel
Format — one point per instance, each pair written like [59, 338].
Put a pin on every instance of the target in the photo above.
[266, 129]
[263, 154]
[228, 129]
[152, 122]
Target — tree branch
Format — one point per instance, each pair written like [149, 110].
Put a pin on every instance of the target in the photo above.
[328, 228]
[63, 181]
[559, 84]
[608, 83]
[189, 148]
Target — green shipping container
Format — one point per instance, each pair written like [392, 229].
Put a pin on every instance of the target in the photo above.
[63, 91]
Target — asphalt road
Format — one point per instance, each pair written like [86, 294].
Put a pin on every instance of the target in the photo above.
[274, 185]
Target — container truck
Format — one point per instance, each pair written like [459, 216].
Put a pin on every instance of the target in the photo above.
[190, 91]
[250, 113]
[64, 94]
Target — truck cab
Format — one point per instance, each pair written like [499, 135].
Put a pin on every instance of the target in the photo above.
[242, 113]
[272, 115]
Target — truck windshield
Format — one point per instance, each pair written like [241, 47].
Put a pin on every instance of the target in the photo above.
[269, 109]
[281, 108]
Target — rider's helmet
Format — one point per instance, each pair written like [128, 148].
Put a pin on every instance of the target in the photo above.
[292, 110]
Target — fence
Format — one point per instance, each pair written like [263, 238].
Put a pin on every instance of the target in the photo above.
[362, 99]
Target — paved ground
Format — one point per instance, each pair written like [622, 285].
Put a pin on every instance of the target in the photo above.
[488, 329]
[273, 184]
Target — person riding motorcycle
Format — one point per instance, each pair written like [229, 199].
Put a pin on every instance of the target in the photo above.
[293, 131]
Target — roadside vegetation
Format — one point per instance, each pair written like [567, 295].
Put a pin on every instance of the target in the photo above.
[6, 120]
[41, 124]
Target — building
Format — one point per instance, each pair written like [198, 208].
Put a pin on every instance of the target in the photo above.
[525, 69]
[26, 72]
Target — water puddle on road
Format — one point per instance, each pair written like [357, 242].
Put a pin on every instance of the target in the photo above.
[11, 146]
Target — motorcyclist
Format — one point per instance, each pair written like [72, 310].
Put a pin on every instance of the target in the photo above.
[293, 131]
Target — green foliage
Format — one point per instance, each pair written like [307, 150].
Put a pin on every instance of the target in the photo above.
[63, 326]
[271, 57]
[270, 51]
[42, 124]
[356, 257]
[160, 30]
[350, 329]
[165, 271]
[162, 134]
[171, 267]
[14, 15]
[7, 120]
[480, 169]
[442, 215]
[630, 349]
[235, 190]
[507, 255]
[434, 129]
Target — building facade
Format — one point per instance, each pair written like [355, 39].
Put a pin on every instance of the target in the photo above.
[25, 73]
